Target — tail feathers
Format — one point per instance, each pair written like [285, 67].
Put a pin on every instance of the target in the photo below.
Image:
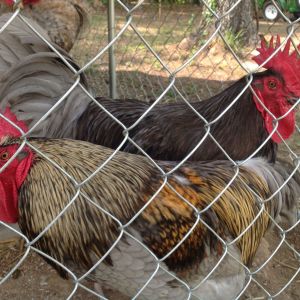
[291, 191]
[286, 190]
[33, 85]
[83, 16]
[18, 40]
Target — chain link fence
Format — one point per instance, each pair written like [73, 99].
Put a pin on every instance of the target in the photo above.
[164, 53]
[172, 32]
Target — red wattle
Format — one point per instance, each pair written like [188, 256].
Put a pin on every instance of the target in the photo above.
[286, 126]
[10, 183]
[9, 212]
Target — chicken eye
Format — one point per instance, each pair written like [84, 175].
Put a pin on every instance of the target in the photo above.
[4, 156]
[272, 84]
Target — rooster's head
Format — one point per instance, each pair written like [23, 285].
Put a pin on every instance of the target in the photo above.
[14, 174]
[278, 88]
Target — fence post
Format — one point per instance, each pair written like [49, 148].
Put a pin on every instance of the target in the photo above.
[112, 64]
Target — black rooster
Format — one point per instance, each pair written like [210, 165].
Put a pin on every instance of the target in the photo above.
[171, 131]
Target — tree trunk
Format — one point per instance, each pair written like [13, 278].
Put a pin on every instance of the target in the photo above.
[240, 22]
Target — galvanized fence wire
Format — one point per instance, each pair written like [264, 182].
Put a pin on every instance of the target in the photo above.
[177, 87]
[140, 73]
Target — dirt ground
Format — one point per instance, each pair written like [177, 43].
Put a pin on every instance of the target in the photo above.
[140, 78]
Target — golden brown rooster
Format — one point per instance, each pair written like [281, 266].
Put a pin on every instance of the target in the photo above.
[140, 231]
[64, 20]
[168, 131]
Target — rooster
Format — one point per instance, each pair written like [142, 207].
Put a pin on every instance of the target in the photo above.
[171, 131]
[186, 229]
[64, 20]
[168, 131]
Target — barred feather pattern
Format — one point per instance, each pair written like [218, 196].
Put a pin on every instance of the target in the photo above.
[84, 233]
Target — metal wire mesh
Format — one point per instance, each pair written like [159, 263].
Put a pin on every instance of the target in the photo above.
[157, 63]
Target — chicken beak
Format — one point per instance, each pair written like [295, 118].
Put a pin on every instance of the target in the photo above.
[292, 100]
[258, 85]
[22, 155]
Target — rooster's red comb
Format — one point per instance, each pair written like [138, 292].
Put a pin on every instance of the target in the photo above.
[282, 60]
[6, 129]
